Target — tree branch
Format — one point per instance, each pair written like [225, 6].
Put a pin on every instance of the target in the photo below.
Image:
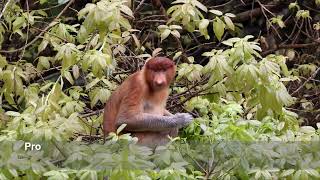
[53, 23]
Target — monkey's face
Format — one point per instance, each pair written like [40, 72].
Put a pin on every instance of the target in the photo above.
[158, 80]
[159, 73]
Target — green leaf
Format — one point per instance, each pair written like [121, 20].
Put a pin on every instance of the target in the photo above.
[156, 52]
[173, 27]
[230, 15]
[89, 174]
[216, 12]
[175, 33]
[136, 40]
[313, 173]
[62, 1]
[75, 71]
[287, 172]
[43, 62]
[120, 128]
[178, 54]
[179, 1]
[218, 28]
[68, 76]
[199, 5]
[203, 28]
[125, 9]
[18, 23]
[307, 129]
[165, 34]
[229, 22]
[92, 83]
[13, 172]
[13, 113]
[3, 62]
[297, 175]
[163, 27]
[43, 45]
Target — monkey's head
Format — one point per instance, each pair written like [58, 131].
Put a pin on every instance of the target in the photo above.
[159, 72]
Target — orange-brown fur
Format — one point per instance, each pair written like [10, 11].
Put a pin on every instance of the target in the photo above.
[139, 94]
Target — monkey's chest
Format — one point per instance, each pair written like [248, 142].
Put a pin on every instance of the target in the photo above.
[152, 108]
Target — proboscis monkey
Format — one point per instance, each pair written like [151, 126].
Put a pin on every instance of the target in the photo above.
[140, 103]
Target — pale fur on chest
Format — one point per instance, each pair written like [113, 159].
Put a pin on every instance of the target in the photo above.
[154, 108]
[155, 105]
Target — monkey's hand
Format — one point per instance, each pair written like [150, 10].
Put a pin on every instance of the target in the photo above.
[183, 119]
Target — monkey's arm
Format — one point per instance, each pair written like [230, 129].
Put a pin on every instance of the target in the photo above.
[151, 122]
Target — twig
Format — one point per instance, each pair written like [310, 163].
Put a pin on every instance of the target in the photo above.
[289, 46]
[63, 153]
[35, 28]
[49, 8]
[53, 23]
[221, 5]
[138, 7]
[4, 8]
[263, 9]
[311, 77]
[92, 113]
[28, 28]
[243, 16]
[152, 21]
[192, 94]
[151, 17]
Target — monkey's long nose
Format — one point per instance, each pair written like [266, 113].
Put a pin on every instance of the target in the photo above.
[159, 82]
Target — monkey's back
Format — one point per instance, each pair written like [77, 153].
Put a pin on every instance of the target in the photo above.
[126, 92]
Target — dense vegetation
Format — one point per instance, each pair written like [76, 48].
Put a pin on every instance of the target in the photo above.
[248, 71]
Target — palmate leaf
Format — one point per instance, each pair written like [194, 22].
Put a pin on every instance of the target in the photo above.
[231, 41]
[195, 73]
[283, 96]
[191, 11]
[268, 67]
[54, 175]
[87, 9]
[43, 63]
[3, 63]
[99, 94]
[18, 23]
[268, 99]
[220, 87]
[67, 53]
[246, 76]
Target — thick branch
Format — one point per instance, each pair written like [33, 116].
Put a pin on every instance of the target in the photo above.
[289, 46]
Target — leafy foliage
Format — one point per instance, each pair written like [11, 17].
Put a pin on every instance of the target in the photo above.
[52, 90]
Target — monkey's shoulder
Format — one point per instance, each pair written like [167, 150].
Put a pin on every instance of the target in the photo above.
[134, 82]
